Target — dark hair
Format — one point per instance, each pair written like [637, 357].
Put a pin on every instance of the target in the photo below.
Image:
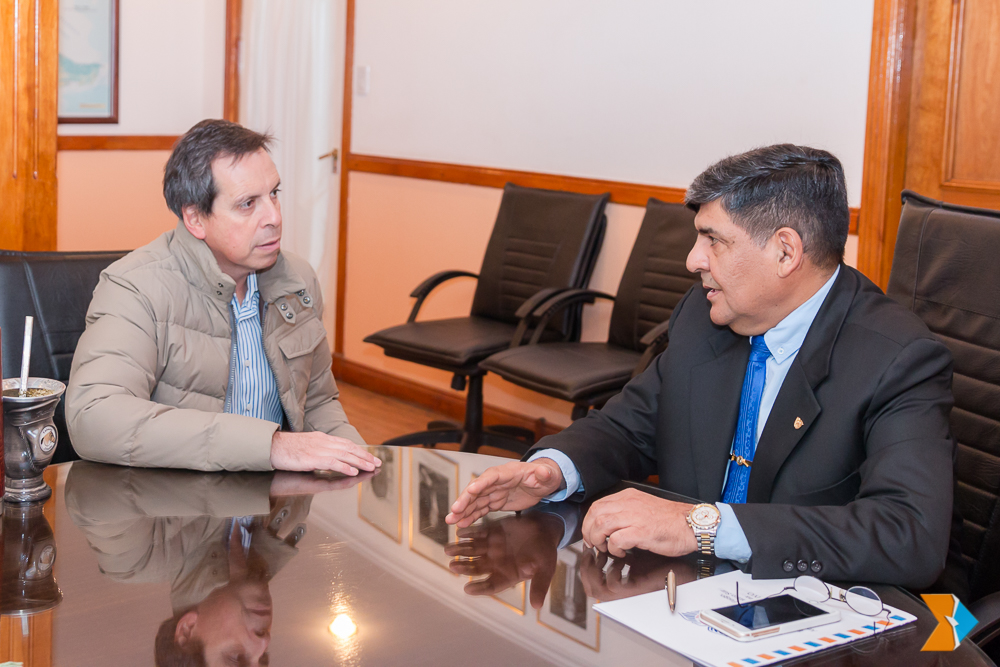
[187, 178]
[166, 651]
[778, 186]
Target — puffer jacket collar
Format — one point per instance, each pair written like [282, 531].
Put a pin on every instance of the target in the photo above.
[199, 266]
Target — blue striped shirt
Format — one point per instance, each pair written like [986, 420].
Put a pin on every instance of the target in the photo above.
[255, 393]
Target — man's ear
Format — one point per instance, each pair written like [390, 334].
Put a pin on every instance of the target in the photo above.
[194, 220]
[185, 628]
[790, 251]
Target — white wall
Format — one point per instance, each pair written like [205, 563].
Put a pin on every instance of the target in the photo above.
[648, 91]
[171, 67]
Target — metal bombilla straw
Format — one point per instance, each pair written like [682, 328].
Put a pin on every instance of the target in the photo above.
[29, 323]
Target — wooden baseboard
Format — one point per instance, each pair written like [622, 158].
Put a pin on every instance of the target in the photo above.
[435, 399]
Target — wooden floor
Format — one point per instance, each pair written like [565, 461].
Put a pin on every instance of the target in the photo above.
[379, 418]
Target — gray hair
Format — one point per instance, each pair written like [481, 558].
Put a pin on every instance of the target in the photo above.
[187, 178]
[778, 186]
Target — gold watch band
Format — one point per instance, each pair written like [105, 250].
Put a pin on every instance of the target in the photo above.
[706, 544]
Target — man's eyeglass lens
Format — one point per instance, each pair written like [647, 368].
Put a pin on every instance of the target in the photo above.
[863, 600]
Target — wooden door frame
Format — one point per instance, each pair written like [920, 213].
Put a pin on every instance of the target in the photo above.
[886, 132]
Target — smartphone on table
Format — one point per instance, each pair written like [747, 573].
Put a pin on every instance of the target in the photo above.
[768, 617]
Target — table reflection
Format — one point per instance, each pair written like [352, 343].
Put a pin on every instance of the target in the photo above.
[29, 554]
[239, 568]
[218, 540]
[542, 547]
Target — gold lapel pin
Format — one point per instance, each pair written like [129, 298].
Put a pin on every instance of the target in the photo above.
[798, 423]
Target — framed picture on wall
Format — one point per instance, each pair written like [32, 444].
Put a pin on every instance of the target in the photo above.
[88, 61]
[433, 488]
[380, 498]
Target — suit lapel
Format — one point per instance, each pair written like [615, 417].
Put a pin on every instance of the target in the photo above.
[797, 399]
[795, 402]
[715, 403]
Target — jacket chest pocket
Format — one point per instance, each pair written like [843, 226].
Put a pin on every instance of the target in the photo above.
[297, 351]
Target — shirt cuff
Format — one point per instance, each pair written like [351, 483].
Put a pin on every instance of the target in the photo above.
[571, 476]
[730, 540]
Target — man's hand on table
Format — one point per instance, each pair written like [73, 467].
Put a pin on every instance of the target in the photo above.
[632, 519]
[319, 451]
[513, 486]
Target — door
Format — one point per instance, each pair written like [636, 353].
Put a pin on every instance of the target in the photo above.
[954, 139]
[933, 115]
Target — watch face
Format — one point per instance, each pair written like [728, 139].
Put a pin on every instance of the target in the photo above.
[704, 516]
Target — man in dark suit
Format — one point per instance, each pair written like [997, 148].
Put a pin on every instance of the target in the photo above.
[806, 408]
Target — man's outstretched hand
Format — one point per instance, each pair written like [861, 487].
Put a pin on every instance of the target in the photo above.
[513, 486]
[319, 451]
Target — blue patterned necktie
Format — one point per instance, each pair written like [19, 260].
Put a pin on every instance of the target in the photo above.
[746, 428]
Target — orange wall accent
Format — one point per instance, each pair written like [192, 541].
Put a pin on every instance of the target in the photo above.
[111, 200]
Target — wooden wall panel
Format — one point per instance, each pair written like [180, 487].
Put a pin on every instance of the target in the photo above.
[116, 142]
[885, 135]
[29, 31]
[234, 31]
[971, 157]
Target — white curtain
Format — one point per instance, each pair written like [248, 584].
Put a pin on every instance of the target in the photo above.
[286, 88]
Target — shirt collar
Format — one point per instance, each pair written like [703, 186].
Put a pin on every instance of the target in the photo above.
[785, 339]
[248, 299]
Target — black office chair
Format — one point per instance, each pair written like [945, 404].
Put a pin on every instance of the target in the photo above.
[945, 270]
[543, 242]
[588, 374]
[55, 288]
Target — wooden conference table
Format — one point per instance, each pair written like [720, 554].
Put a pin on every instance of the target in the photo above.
[134, 549]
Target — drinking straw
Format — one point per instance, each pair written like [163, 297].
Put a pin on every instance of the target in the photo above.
[29, 323]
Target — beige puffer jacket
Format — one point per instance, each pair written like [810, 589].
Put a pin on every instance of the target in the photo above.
[150, 374]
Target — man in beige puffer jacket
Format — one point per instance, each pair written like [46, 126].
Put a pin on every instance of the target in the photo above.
[164, 377]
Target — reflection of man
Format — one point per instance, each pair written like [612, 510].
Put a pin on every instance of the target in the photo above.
[531, 545]
[152, 526]
[206, 349]
[810, 410]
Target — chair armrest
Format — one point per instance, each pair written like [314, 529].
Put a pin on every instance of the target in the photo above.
[543, 313]
[654, 341]
[424, 288]
[987, 612]
[523, 313]
[537, 298]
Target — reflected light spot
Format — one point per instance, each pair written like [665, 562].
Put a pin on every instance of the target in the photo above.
[343, 627]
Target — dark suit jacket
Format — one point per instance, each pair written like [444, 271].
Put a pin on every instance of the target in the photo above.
[862, 491]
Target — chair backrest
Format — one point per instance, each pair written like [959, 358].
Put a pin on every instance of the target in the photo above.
[946, 271]
[55, 288]
[655, 276]
[542, 238]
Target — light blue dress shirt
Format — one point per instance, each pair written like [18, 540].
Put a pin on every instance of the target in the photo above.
[255, 392]
[783, 341]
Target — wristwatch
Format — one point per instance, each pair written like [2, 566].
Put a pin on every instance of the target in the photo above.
[704, 521]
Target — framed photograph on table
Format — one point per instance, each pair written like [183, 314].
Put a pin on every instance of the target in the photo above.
[433, 488]
[88, 61]
[567, 609]
[380, 498]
